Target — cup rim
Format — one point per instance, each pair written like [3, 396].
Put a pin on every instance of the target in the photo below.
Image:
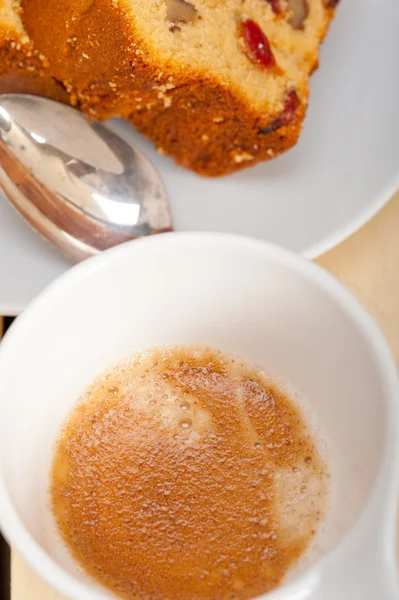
[387, 479]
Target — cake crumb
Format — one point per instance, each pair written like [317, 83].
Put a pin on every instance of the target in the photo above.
[244, 156]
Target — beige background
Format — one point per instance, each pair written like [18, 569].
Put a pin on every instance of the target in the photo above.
[368, 264]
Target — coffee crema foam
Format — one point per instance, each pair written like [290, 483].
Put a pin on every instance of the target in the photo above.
[184, 473]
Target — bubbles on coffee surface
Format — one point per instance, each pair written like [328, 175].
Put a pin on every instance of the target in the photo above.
[184, 473]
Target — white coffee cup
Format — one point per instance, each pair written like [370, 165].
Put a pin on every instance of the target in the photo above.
[255, 300]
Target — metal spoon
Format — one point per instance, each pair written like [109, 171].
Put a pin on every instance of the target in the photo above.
[78, 184]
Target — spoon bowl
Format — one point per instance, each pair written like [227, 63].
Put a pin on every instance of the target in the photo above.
[78, 184]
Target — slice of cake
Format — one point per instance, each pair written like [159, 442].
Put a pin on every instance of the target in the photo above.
[216, 84]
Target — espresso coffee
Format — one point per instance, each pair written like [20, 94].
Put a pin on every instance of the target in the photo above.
[185, 473]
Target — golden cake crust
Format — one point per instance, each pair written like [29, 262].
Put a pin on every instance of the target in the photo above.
[23, 71]
[95, 60]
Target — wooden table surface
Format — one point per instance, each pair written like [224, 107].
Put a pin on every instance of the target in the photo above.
[368, 264]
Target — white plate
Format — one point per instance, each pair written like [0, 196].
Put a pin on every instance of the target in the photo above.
[344, 168]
